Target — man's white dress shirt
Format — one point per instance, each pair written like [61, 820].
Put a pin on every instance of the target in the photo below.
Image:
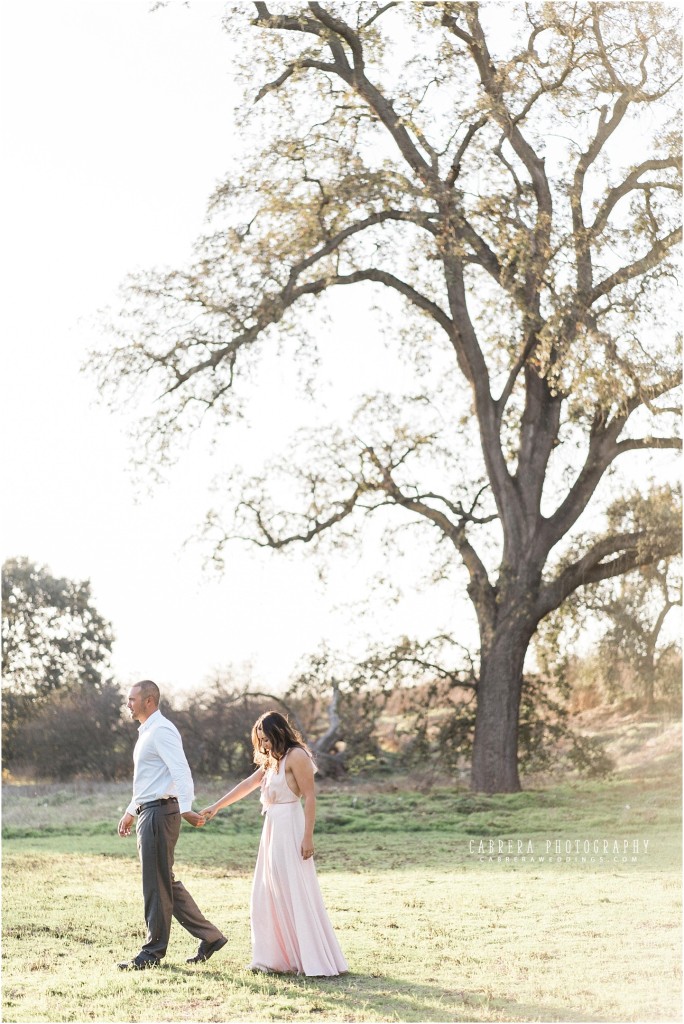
[161, 768]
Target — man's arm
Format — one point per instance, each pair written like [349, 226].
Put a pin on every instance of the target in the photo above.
[170, 749]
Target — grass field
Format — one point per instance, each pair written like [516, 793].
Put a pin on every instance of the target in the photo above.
[434, 925]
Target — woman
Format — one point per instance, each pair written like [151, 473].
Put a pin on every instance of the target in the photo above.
[291, 931]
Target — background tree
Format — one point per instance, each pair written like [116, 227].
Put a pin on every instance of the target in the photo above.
[510, 176]
[634, 662]
[636, 608]
[75, 732]
[216, 724]
[411, 706]
[53, 639]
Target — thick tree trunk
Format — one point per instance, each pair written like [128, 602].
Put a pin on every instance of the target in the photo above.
[495, 745]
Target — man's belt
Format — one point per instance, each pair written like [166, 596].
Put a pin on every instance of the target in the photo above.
[156, 803]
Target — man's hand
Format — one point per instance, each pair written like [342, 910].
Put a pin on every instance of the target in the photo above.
[125, 825]
[193, 818]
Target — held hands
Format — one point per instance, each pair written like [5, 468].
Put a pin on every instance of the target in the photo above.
[209, 812]
[194, 819]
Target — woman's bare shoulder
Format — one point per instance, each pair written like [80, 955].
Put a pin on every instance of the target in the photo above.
[298, 754]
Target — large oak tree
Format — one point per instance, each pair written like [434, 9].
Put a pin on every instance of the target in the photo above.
[510, 174]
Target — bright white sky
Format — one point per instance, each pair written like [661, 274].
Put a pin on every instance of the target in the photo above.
[116, 126]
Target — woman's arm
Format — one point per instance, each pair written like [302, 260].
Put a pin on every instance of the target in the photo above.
[243, 788]
[302, 769]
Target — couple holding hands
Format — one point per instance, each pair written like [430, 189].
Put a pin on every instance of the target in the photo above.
[291, 931]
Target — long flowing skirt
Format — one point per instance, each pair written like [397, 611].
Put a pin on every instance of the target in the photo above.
[291, 931]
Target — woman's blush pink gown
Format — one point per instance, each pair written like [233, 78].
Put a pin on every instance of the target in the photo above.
[291, 931]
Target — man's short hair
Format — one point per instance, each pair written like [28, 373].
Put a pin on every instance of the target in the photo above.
[149, 689]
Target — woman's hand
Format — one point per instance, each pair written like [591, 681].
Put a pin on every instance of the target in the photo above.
[307, 847]
[301, 766]
[209, 812]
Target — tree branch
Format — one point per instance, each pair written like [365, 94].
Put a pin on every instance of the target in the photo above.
[581, 237]
[632, 550]
[290, 70]
[345, 509]
[455, 532]
[456, 508]
[634, 444]
[419, 218]
[332, 30]
[456, 162]
[479, 50]
[391, 281]
[604, 448]
[340, 28]
[379, 12]
[640, 266]
[524, 354]
[630, 183]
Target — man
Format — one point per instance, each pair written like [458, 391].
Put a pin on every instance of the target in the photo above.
[162, 793]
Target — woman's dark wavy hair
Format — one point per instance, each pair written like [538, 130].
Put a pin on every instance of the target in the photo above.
[281, 735]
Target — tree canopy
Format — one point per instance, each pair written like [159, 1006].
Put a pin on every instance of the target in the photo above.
[53, 638]
[510, 174]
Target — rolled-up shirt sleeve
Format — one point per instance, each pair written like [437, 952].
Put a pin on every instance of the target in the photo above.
[170, 749]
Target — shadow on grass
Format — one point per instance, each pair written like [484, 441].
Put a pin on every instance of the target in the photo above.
[396, 999]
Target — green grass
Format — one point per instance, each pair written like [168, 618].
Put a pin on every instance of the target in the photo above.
[433, 930]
